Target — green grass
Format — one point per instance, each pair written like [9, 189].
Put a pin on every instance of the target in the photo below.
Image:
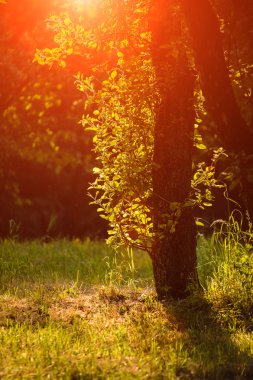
[60, 263]
[74, 310]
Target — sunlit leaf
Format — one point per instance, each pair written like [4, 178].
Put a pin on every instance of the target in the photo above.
[114, 74]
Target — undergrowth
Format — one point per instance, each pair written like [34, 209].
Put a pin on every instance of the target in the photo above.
[225, 265]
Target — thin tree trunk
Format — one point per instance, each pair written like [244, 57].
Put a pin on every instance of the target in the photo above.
[174, 249]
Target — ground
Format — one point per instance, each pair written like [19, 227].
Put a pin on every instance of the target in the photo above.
[74, 310]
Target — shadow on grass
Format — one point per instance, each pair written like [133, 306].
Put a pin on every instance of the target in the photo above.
[211, 346]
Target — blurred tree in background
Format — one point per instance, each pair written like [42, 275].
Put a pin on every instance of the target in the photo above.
[223, 52]
[45, 158]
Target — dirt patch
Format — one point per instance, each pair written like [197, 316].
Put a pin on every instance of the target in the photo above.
[18, 311]
[111, 305]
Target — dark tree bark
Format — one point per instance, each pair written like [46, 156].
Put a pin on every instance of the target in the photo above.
[235, 135]
[207, 44]
[174, 253]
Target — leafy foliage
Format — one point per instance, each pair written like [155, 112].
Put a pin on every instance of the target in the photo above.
[119, 109]
[121, 99]
[106, 44]
[123, 121]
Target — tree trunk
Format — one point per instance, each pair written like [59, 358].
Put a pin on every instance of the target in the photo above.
[235, 135]
[174, 249]
[216, 85]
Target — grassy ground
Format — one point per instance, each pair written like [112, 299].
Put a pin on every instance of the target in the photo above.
[72, 310]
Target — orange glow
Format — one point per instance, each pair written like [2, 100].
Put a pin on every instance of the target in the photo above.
[81, 3]
[89, 6]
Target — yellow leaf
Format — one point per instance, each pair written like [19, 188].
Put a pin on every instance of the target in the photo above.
[70, 51]
[28, 106]
[200, 146]
[67, 21]
[62, 64]
[199, 223]
[114, 74]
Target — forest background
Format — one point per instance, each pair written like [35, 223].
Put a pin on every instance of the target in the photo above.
[45, 157]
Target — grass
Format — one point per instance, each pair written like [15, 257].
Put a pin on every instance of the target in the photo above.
[74, 310]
